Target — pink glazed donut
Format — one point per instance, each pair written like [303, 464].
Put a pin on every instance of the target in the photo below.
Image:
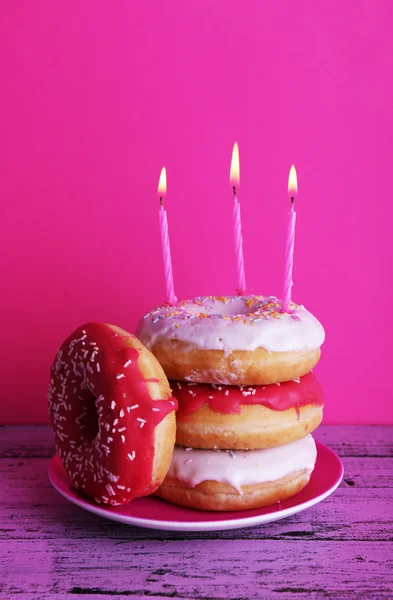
[233, 340]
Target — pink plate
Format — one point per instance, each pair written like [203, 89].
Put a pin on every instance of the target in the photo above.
[158, 514]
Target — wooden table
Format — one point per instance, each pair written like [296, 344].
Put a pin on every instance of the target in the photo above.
[342, 548]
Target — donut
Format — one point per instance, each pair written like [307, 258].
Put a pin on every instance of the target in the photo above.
[234, 340]
[247, 417]
[238, 480]
[112, 414]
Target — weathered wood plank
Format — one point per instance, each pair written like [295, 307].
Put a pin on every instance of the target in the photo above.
[341, 548]
[362, 511]
[347, 440]
[201, 569]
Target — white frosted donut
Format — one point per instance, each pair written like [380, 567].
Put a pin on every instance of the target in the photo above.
[234, 340]
[238, 480]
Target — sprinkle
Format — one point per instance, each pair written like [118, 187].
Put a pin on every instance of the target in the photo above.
[123, 439]
[211, 397]
[188, 461]
[127, 364]
[115, 422]
[121, 414]
[132, 407]
[191, 393]
[121, 429]
[98, 367]
[155, 409]
[132, 455]
[109, 440]
[178, 385]
[278, 383]
[192, 383]
[231, 453]
[113, 405]
[120, 376]
[226, 392]
[188, 449]
[141, 421]
[121, 487]
[110, 490]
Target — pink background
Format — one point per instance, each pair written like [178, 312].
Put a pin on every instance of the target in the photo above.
[98, 95]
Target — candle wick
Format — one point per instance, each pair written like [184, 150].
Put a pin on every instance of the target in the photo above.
[292, 199]
[234, 190]
[162, 201]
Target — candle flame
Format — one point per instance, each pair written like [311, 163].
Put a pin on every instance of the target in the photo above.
[234, 176]
[162, 183]
[292, 182]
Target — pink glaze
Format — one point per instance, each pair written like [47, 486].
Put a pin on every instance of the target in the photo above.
[227, 399]
[103, 415]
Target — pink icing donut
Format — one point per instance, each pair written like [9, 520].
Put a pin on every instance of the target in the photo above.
[112, 414]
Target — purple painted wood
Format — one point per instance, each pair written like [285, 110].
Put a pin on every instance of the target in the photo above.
[342, 548]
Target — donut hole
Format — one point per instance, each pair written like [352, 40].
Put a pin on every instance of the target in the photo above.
[88, 420]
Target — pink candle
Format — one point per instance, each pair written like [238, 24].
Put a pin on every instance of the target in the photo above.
[290, 241]
[166, 249]
[234, 178]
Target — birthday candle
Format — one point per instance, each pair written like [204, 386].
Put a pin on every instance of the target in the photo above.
[234, 178]
[290, 241]
[166, 249]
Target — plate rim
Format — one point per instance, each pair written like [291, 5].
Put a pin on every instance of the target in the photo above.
[195, 526]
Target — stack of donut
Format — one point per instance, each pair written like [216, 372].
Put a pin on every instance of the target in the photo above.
[241, 370]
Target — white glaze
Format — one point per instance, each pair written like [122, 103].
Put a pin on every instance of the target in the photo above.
[238, 468]
[234, 323]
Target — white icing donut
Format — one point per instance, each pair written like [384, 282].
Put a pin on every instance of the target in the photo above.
[238, 340]
[234, 323]
[238, 468]
[238, 480]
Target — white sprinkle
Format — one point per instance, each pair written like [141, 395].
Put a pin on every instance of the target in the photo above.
[115, 422]
[121, 429]
[231, 453]
[113, 405]
[188, 461]
[110, 490]
[121, 487]
[132, 455]
[178, 385]
[98, 367]
[120, 376]
[121, 413]
[190, 384]
[278, 383]
[127, 364]
[155, 409]
[132, 407]
[109, 440]
[226, 392]
[191, 393]
[211, 397]
[188, 449]
[123, 439]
